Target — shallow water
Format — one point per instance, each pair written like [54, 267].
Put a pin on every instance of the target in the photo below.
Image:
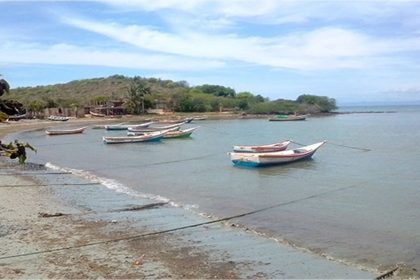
[353, 205]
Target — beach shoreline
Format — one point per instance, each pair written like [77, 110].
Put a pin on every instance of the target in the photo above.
[52, 230]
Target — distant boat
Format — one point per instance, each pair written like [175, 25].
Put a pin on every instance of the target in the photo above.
[276, 147]
[65, 131]
[179, 133]
[58, 118]
[126, 126]
[96, 114]
[200, 118]
[148, 137]
[17, 117]
[264, 159]
[288, 118]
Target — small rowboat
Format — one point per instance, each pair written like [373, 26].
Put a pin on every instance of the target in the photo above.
[146, 130]
[283, 118]
[94, 114]
[148, 137]
[276, 147]
[65, 131]
[155, 128]
[179, 133]
[126, 126]
[264, 159]
[58, 118]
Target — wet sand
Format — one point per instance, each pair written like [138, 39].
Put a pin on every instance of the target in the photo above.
[63, 226]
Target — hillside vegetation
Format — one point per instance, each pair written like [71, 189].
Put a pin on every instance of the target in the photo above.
[140, 93]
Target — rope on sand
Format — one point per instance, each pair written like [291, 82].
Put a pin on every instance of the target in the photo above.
[34, 173]
[339, 145]
[135, 237]
[47, 185]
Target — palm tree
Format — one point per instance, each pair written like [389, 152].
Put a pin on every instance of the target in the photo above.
[137, 93]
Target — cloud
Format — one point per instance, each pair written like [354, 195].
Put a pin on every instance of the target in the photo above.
[323, 48]
[21, 53]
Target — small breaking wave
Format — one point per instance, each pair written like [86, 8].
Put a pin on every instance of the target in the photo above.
[109, 183]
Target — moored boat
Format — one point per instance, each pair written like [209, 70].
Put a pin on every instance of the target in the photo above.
[179, 133]
[155, 127]
[146, 130]
[280, 118]
[127, 126]
[276, 147]
[65, 131]
[264, 159]
[148, 137]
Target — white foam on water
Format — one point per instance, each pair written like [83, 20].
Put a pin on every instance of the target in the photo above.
[109, 183]
[121, 188]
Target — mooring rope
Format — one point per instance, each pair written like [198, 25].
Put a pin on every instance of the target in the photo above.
[134, 237]
[34, 173]
[339, 145]
[47, 185]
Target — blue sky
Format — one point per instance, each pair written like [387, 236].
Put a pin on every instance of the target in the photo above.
[353, 51]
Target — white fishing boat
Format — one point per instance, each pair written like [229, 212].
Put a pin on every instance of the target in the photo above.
[276, 147]
[155, 127]
[65, 131]
[264, 159]
[58, 118]
[179, 133]
[148, 137]
[146, 130]
[127, 126]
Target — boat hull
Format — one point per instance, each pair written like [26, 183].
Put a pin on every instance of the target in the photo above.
[289, 118]
[65, 131]
[179, 133]
[275, 158]
[134, 139]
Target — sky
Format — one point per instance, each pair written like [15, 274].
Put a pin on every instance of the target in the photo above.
[353, 51]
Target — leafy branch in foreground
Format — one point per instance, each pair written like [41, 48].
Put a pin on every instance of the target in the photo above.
[15, 150]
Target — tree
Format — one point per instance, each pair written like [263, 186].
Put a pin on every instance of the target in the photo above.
[217, 90]
[136, 95]
[4, 86]
[323, 103]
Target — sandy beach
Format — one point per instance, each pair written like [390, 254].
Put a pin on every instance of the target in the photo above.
[57, 225]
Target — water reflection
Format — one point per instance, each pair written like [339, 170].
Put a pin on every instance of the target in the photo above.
[285, 169]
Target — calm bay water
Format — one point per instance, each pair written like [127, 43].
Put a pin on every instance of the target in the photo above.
[354, 205]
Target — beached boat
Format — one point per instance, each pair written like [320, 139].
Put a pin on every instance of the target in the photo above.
[276, 147]
[127, 126]
[16, 117]
[179, 133]
[58, 118]
[264, 159]
[280, 118]
[200, 118]
[65, 131]
[148, 137]
[94, 114]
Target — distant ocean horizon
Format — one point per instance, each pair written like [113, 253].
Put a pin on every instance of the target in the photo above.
[379, 104]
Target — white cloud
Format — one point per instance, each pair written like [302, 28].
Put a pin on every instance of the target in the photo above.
[324, 48]
[21, 53]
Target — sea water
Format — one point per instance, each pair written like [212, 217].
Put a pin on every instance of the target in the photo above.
[356, 200]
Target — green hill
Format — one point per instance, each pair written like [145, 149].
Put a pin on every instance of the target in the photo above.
[171, 95]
